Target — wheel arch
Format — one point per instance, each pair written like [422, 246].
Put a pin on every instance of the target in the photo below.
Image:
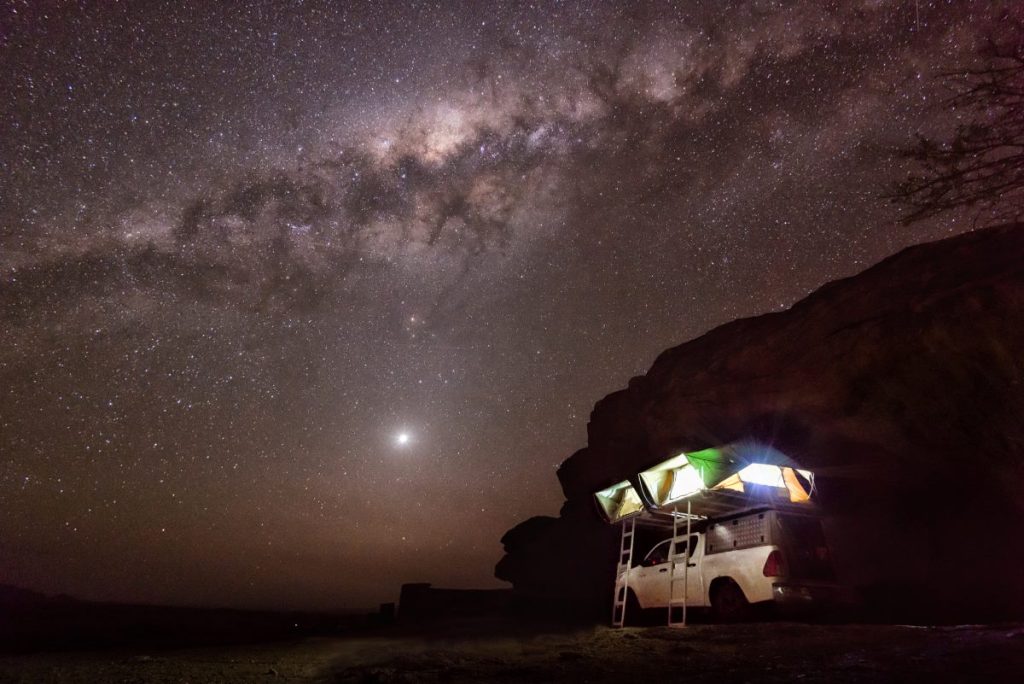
[721, 581]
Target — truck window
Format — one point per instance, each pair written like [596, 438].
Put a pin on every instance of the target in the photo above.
[681, 545]
[658, 555]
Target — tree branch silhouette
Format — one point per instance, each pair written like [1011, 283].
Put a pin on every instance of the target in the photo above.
[982, 165]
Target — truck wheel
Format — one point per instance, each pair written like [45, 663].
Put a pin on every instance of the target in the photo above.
[728, 604]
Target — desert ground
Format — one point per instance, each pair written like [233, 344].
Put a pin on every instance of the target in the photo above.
[770, 652]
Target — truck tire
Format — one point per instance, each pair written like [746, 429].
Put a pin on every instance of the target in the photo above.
[728, 604]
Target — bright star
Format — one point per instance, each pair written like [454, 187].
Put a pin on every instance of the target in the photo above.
[402, 438]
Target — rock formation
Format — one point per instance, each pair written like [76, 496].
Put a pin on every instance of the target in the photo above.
[901, 387]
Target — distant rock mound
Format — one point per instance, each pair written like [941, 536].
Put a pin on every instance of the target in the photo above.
[16, 596]
[901, 387]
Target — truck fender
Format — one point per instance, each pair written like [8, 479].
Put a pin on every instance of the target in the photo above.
[732, 605]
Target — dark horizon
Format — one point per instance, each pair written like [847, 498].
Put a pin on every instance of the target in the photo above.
[301, 302]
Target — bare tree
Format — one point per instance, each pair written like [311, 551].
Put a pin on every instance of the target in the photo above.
[982, 166]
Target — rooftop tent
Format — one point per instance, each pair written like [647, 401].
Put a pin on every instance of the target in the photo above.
[711, 482]
[787, 482]
[684, 475]
[724, 479]
[619, 502]
[765, 473]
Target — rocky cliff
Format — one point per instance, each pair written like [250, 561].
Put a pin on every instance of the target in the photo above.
[902, 387]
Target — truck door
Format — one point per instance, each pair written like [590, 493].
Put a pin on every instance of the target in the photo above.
[691, 553]
[649, 580]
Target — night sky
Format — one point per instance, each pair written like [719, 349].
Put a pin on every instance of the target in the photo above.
[303, 300]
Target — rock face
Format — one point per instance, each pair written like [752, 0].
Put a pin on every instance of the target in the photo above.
[901, 387]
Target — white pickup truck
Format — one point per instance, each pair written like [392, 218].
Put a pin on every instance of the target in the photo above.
[758, 557]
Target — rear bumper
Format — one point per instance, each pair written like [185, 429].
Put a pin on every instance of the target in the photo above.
[797, 597]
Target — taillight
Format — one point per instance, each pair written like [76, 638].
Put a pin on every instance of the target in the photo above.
[774, 565]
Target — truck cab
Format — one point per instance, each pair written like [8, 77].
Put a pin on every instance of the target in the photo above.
[650, 579]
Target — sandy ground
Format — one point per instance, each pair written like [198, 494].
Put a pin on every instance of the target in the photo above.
[772, 652]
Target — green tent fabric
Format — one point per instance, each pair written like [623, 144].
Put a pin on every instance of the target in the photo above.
[619, 502]
[721, 479]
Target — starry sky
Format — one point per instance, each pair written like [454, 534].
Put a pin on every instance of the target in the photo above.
[303, 300]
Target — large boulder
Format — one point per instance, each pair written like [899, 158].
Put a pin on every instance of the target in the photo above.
[901, 387]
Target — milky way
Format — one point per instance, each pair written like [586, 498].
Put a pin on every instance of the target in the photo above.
[244, 246]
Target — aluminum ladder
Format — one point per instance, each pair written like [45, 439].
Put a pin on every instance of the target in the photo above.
[622, 570]
[675, 578]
